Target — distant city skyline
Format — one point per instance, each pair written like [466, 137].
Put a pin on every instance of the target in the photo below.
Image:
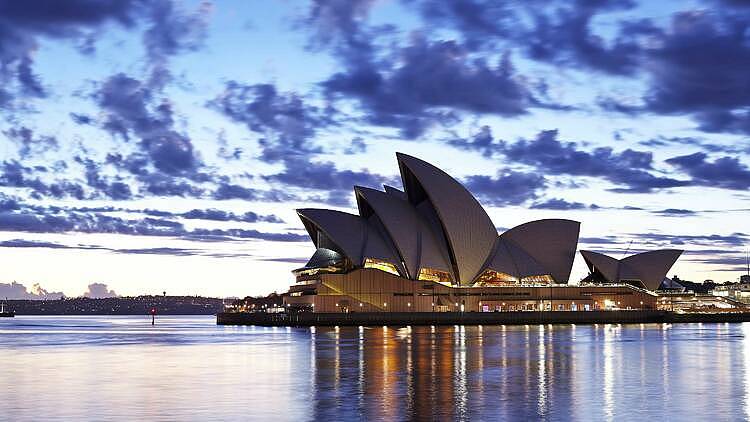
[155, 146]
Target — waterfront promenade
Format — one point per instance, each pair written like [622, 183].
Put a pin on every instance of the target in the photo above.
[473, 318]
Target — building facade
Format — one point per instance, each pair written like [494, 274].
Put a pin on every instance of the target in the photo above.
[433, 248]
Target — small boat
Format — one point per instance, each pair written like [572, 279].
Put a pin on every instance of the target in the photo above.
[4, 313]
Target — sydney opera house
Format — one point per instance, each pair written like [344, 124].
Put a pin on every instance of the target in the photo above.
[433, 248]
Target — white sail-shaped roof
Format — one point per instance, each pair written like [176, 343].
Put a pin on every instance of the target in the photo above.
[510, 259]
[551, 242]
[348, 234]
[606, 265]
[468, 229]
[652, 266]
[649, 268]
[414, 241]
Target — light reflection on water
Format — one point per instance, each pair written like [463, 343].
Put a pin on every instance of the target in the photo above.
[187, 368]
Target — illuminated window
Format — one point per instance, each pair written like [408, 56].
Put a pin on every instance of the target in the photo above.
[545, 279]
[381, 265]
[302, 273]
[494, 278]
[430, 274]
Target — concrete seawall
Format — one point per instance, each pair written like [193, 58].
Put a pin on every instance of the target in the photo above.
[473, 318]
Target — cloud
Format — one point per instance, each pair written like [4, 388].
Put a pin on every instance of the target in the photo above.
[99, 291]
[565, 37]
[60, 220]
[219, 215]
[341, 25]
[21, 243]
[506, 188]
[558, 32]
[682, 141]
[337, 184]
[675, 212]
[697, 67]
[733, 240]
[233, 191]
[482, 141]
[127, 102]
[426, 83]
[16, 291]
[629, 169]
[15, 175]
[286, 121]
[113, 190]
[692, 47]
[29, 144]
[561, 204]
[724, 172]
[23, 26]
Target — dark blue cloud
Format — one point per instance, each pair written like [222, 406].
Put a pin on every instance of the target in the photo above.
[427, 82]
[285, 120]
[713, 240]
[557, 32]
[21, 243]
[698, 142]
[15, 175]
[724, 172]
[42, 220]
[482, 141]
[128, 103]
[22, 23]
[233, 191]
[308, 175]
[561, 204]
[506, 188]
[114, 190]
[697, 67]
[629, 169]
[171, 30]
[29, 143]
[220, 215]
[675, 212]
[710, 53]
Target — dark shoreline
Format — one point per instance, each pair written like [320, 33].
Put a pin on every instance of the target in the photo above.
[121, 305]
[474, 318]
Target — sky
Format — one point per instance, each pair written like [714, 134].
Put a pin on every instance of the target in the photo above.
[151, 146]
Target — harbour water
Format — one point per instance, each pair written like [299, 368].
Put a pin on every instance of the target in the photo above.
[187, 368]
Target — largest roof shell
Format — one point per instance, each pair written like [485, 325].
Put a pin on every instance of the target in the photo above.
[468, 229]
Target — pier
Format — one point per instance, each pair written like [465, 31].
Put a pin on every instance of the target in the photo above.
[306, 319]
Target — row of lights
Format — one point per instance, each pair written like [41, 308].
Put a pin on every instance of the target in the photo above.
[385, 304]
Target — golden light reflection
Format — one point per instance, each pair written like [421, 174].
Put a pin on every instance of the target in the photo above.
[746, 367]
[542, 373]
[608, 355]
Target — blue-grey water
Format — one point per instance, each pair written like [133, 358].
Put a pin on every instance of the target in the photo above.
[187, 368]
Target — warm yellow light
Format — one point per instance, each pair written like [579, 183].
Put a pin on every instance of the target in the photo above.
[430, 274]
[381, 265]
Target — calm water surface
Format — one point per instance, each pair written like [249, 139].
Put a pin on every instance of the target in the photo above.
[187, 368]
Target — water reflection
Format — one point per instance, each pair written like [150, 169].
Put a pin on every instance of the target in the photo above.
[191, 369]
